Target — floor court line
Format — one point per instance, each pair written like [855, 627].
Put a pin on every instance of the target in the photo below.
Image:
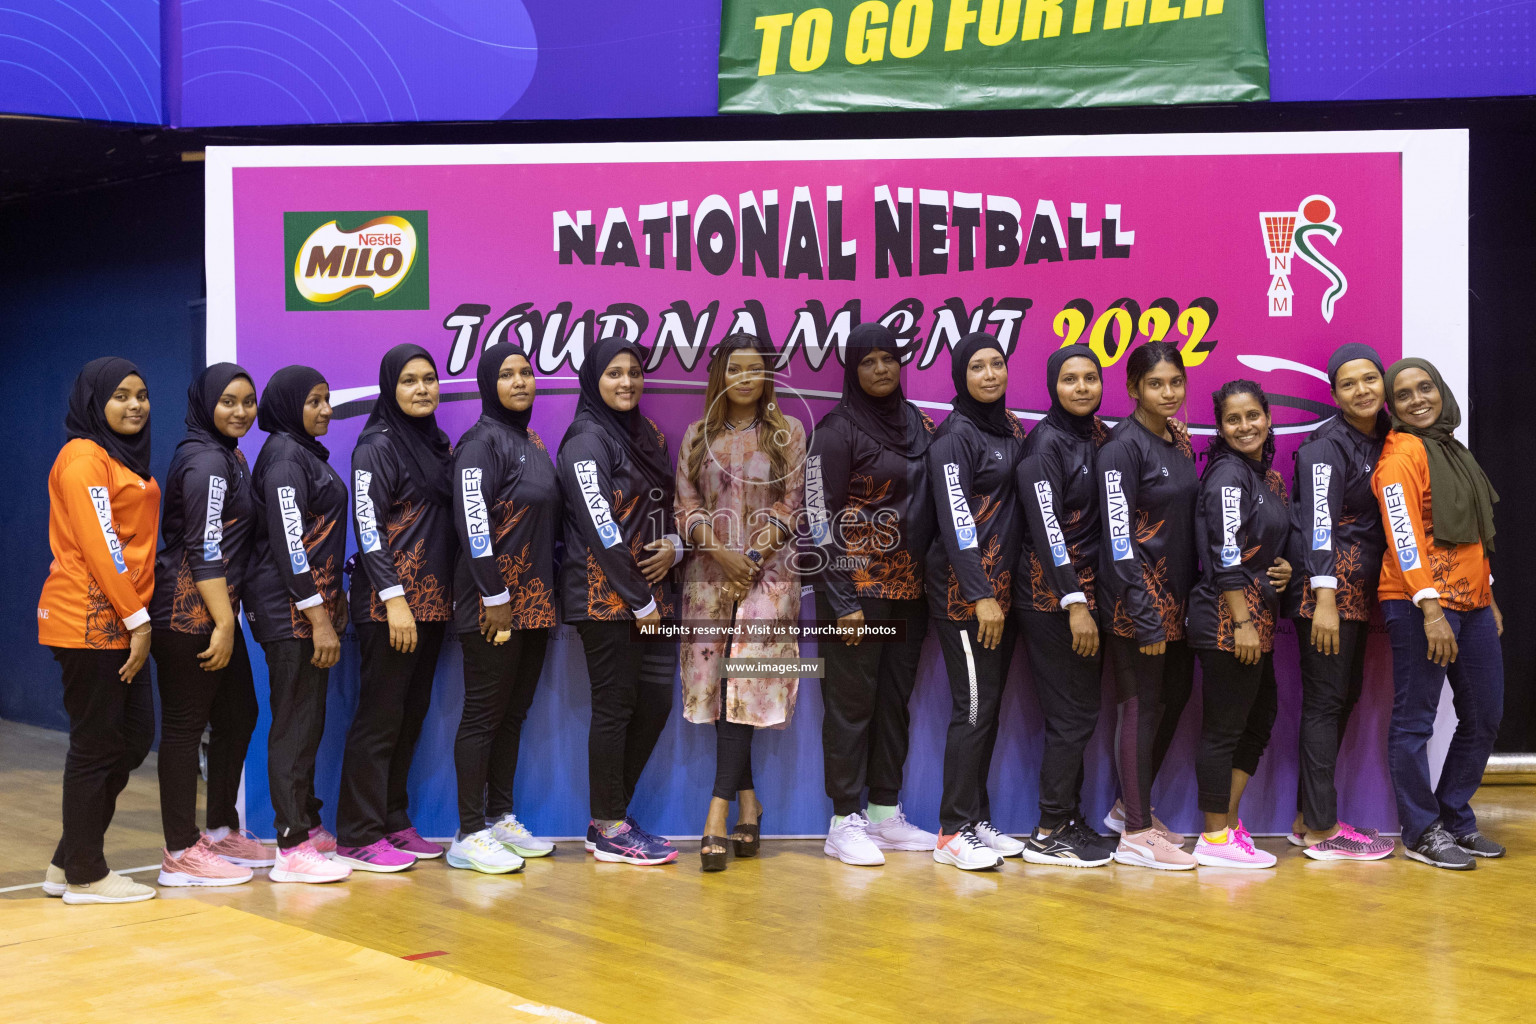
[39, 885]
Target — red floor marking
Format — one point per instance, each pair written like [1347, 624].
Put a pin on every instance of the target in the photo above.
[423, 956]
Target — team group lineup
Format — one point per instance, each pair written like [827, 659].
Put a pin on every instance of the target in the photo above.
[1082, 541]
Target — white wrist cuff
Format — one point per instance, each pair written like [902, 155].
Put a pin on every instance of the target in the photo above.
[502, 598]
[1076, 597]
[309, 602]
[137, 619]
[650, 606]
[390, 593]
[1325, 583]
[1426, 594]
[677, 547]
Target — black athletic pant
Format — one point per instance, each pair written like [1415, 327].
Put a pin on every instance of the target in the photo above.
[733, 758]
[111, 727]
[392, 699]
[976, 680]
[865, 721]
[632, 686]
[297, 700]
[1152, 691]
[1330, 688]
[1238, 714]
[499, 683]
[190, 700]
[1068, 687]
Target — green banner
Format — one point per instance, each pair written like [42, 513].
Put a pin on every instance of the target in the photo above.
[988, 54]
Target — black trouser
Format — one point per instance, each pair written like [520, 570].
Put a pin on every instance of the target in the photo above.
[393, 695]
[1152, 691]
[631, 699]
[1330, 688]
[976, 680]
[111, 727]
[1239, 705]
[190, 700]
[733, 758]
[865, 722]
[1068, 686]
[297, 700]
[499, 683]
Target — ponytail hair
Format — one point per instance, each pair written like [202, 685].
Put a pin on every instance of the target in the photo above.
[1145, 357]
[1231, 389]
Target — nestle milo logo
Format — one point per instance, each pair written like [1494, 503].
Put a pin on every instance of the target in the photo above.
[356, 260]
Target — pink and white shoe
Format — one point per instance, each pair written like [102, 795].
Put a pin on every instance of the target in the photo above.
[409, 840]
[1234, 850]
[304, 863]
[1151, 849]
[1115, 822]
[199, 865]
[243, 849]
[376, 856]
[323, 842]
[1350, 844]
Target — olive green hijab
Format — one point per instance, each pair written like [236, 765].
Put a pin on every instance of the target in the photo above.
[1461, 496]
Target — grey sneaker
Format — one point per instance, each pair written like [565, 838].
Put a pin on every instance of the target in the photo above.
[1479, 845]
[1437, 849]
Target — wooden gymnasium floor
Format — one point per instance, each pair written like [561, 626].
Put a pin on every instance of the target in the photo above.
[792, 936]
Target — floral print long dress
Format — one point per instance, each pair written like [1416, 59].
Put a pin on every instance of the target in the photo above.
[734, 494]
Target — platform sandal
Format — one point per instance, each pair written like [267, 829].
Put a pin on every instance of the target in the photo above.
[748, 847]
[713, 861]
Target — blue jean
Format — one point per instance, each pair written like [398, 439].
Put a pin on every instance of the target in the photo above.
[1477, 690]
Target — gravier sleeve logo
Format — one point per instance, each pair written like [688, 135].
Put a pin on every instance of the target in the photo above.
[101, 501]
[1400, 527]
[959, 508]
[476, 520]
[1118, 515]
[367, 520]
[1322, 520]
[213, 520]
[1231, 518]
[293, 529]
[597, 505]
[1054, 538]
[816, 502]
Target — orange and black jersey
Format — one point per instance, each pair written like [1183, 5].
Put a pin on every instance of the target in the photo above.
[1059, 496]
[102, 521]
[1420, 567]
[506, 509]
[405, 542]
[1336, 538]
[1242, 524]
[973, 556]
[1147, 489]
[611, 514]
[870, 512]
[300, 542]
[208, 526]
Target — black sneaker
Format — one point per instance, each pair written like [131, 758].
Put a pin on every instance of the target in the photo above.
[1088, 835]
[1479, 845]
[1066, 847]
[1437, 849]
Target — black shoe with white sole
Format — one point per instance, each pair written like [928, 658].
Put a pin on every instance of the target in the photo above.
[1438, 849]
[1479, 845]
[1065, 847]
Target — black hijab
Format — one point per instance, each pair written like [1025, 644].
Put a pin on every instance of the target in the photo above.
[992, 417]
[892, 421]
[203, 398]
[423, 445]
[87, 416]
[281, 409]
[487, 375]
[629, 429]
[1057, 416]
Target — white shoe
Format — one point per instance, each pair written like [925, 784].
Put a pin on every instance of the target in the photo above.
[481, 851]
[897, 833]
[512, 834]
[966, 851]
[113, 888]
[304, 863]
[849, 842]
[54, 882]
[1005, 845]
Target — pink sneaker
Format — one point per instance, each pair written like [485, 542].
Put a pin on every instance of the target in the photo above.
[409, 840]
[323, 842]
[304, 863]
[1300, 838]
[1151, 849]
[377, 856]
[199, 865]
[243, 849]
[1115, 821]
[1350, 844]
[1237, 851]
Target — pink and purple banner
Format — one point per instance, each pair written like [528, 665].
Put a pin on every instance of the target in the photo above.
[1256, 255]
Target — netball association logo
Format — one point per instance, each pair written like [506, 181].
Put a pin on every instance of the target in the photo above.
[1294, 233]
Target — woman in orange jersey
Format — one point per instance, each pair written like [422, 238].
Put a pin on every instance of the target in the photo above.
[103, 517]
[1436, 594]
